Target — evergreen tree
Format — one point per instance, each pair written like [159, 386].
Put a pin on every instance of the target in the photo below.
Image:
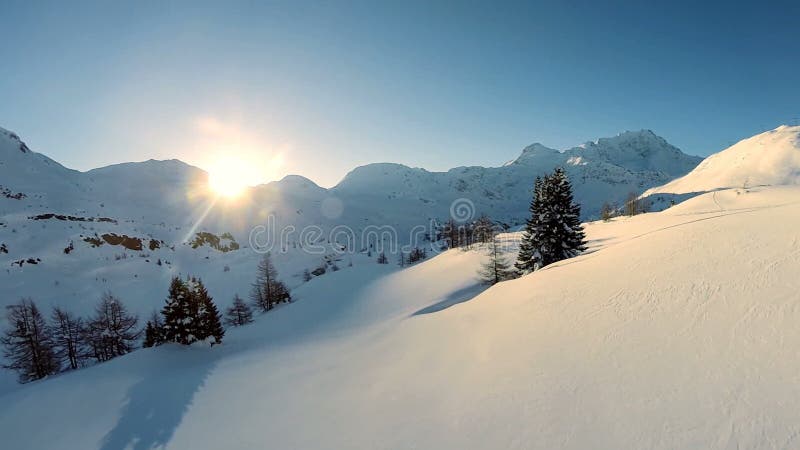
[496, 269]
[527, 249]
[178, 313]
[208, 323]
[268, 290]
[239, 313]
[28, 347]
[554, 231]
[564, 228]
[382, 259]
[154, 331]
[67, 333]
[150, 335]
[417, 254]
[112, 331]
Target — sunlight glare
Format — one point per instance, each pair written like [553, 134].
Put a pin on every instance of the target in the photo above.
[229, 177]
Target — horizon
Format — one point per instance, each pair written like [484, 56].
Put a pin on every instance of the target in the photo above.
[454, 166]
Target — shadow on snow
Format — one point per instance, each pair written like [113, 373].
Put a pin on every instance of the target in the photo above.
[156, 404]
[459, 296]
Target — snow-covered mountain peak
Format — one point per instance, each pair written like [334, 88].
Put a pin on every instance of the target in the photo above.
[295, 184]
[366, 178]
[12, 140]
[638, 150]
[537, 147]
[769, 158]
[298, 180]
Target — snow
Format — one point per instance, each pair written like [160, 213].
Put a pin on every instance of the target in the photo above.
[769, 158]
[675, 330]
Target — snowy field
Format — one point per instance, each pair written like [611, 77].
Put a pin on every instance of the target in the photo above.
[676, 330]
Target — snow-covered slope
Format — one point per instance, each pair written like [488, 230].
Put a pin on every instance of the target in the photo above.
[771, 158]
[676, 330]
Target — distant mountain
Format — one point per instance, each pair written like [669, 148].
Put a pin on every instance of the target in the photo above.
[604, 170]
[770, 158]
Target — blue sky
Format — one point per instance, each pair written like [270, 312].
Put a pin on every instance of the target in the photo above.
[318, 88]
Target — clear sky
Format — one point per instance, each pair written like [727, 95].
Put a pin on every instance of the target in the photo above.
[318, 88]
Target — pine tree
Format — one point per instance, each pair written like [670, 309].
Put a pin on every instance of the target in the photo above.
[268, 290]
[112, 331]
[178, 313]
[154, 331]
[208, 320]
[239, 313]
[496, 269]
[28, 347]
[527, 250]
[565, 231]
[67, 332]
[554, 231]
[150, 336]
[417, 254]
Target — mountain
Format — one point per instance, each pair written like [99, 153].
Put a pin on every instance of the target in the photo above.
[771, 158]
[604, 170]
[663, 336]
[67, 236]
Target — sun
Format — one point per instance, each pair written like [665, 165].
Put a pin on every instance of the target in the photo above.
[229, 177]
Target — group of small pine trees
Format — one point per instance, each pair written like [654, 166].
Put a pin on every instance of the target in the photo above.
[416, 255]
[35, 347]
[189, 316]
[455, 234]
[633, 205]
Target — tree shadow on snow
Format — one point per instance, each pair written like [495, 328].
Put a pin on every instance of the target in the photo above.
[155, 405]
[459, 296]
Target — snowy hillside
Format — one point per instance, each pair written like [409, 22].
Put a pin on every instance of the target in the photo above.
[767, 159]
[675, 330]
